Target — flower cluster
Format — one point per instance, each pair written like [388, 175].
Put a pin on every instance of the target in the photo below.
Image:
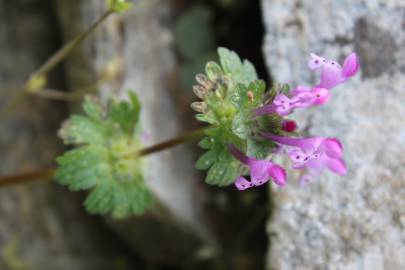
[249, 124]
[314, 153]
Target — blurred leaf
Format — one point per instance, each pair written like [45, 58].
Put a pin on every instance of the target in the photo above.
[103, 163]
[126, 114]
[193, 33]
[188, 69]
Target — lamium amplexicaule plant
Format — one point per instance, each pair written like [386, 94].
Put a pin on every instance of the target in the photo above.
[247, 127]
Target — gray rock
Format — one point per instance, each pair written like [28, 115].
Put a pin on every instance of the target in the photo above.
[142, 40]
[356, 221]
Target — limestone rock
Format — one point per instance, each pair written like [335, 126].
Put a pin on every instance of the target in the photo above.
[356, 221]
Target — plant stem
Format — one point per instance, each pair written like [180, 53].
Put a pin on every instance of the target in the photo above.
[65, 50]
[26, 177]
[56, 94]
[49, 173]
[55, 59]
[190, 136]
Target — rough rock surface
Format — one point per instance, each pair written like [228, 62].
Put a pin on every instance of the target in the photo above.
[357, 221]
[142, 39]
[42, 225]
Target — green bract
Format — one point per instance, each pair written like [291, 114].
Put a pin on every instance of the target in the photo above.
[230, 92]
[105, 160]
[118, 5]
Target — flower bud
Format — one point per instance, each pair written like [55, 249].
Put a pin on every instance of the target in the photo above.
[200, 91]
[289, 125]
[213, 71]
[204, 81]
[199, 106]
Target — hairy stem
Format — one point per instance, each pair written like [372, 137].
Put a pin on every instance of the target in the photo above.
[49, 173]
[65, 50]
[190, 136]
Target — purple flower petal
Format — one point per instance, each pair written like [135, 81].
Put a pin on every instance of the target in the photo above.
[331, 75]
[268, 109]
[238, 154]
[306, 144]
[315, 62]
[336, 165]
[351, 65]
[278, 175]
[259, 171]
[321, 96]
[333, 147]
[241, 183]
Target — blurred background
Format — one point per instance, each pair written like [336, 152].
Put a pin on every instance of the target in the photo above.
[156, 48]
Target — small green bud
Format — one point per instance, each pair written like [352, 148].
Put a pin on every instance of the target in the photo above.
[36, 83]
[118, 6]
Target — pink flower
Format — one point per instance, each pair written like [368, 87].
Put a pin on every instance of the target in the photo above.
[261, 171]
[332, 74]
[301, 98]
[313, 154]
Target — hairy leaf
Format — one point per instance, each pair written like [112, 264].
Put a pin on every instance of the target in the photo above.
[241, 72]
[102, 162]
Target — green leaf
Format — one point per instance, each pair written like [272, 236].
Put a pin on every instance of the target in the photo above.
[92, 109]
[80, 129]
[82, 168]
[207, 159]
[102, 164]
[239, 127]
[224, 171]
[193, 33]
[239, 97]
[126, 114]
[241, 72]
[258, 149]
[206, 118]
[222, 166]
[121, 199]
[100, 200]
[257, 88]
[206, 143]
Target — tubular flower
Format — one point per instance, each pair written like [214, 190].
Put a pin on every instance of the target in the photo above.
[261, 171]
[313, 154]
[301, 98]
[332, 74]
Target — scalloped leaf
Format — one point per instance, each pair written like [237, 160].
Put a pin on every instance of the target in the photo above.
[126, 114]
[242, 72]
[102, 164]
